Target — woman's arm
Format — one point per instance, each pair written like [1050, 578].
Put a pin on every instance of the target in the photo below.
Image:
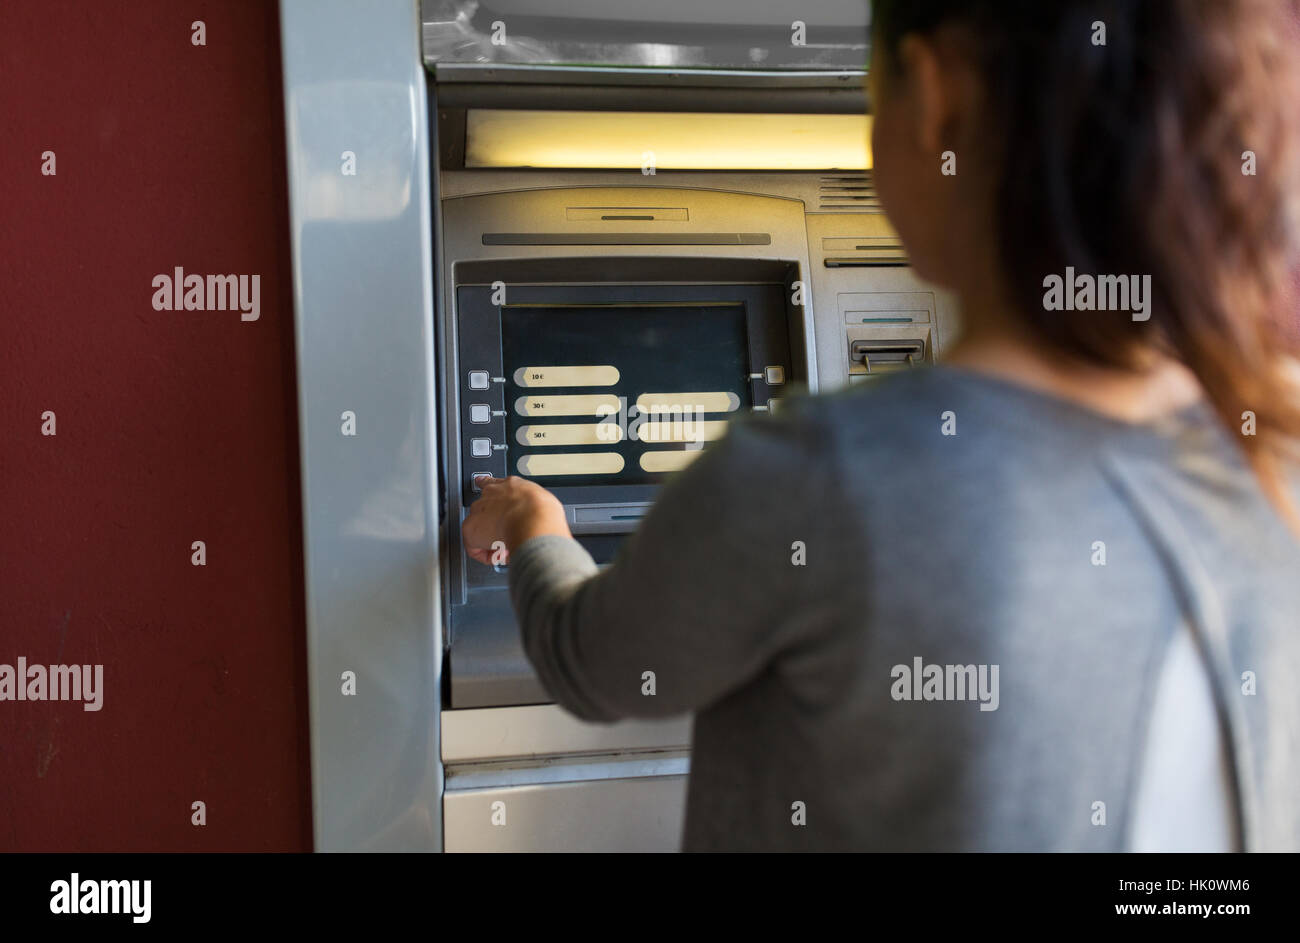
[734, 563]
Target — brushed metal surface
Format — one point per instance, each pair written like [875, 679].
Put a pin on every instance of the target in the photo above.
[719, 36]
[363, 301]
[511, 733]
[600, 815]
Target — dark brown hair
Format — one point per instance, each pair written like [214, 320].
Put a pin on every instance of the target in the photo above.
[1127, 158]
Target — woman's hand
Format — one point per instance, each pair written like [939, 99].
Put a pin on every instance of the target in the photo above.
[511, 510]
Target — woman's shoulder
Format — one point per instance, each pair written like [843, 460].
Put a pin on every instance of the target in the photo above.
[897, 413]
[940, 421]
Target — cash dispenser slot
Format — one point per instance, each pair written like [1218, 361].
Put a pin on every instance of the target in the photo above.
[885, 356]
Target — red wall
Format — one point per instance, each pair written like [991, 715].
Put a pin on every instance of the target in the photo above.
[172, 427]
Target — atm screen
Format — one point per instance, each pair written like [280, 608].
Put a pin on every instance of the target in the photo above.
[601, 392]
[620, 394]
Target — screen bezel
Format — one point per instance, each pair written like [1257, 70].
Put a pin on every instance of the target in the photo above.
[768, 323]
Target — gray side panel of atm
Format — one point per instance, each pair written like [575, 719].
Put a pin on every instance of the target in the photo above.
[363, 296]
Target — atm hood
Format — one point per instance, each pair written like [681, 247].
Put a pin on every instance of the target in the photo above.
[688, 43]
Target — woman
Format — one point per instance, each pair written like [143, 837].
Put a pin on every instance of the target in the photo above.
[1044, 596]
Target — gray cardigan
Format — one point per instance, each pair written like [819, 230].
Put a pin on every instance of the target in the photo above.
[928, 613]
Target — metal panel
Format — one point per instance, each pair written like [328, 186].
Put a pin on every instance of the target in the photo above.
[719, 37]
[692, 79]
[506, 733]
[363, 296]
[832, 284]
[594, 815]
[807, 188]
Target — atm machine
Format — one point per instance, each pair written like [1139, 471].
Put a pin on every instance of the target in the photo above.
[624, 201]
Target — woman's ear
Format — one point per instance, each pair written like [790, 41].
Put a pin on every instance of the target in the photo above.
[931, 93]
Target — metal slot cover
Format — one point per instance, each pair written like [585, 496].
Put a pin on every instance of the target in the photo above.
[876, 356]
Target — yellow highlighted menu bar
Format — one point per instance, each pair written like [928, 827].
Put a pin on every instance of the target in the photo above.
[665, 461]
[603, 375]
[568, 404]
[678, 430]
[570, 463]
[569, 434]
[688, 402]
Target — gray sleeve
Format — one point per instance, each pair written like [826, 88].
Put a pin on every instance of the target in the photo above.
[707, 591]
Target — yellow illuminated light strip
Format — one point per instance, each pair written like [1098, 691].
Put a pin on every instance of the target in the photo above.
[626, 140]
[566, 376]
